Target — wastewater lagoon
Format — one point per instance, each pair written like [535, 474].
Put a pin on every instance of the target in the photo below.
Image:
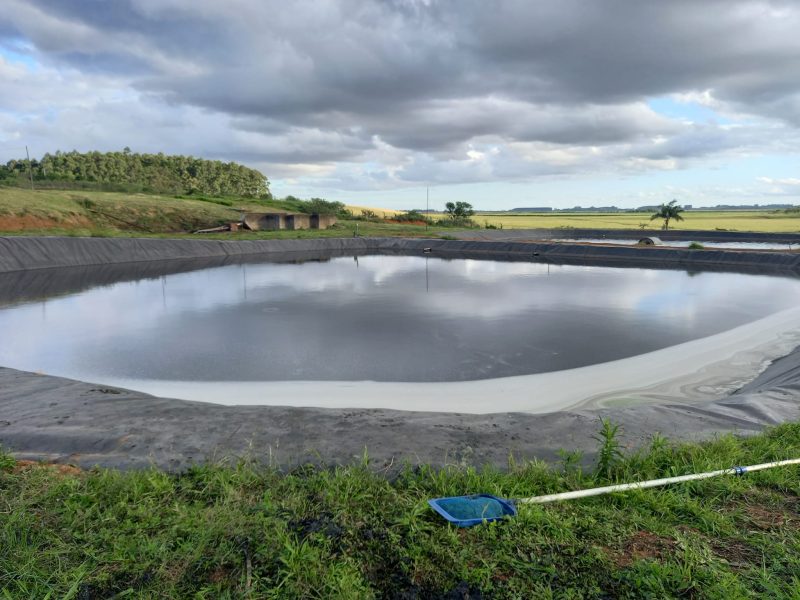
[376, 330]
[784, 247]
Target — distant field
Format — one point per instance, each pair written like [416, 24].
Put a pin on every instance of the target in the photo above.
[381, 212]
[728, 220]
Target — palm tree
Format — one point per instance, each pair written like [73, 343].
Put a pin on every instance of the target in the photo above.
[668, 211]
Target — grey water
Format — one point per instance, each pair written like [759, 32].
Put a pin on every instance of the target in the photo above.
[382, 318]
[684, 244]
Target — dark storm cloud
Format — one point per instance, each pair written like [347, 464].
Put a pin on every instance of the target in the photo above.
[323, 81]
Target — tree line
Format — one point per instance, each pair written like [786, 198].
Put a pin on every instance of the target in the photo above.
[131, 171]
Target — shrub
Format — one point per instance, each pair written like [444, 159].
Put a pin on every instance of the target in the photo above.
[457, 222]
[410, 216]
[459, 210]
[321, 206]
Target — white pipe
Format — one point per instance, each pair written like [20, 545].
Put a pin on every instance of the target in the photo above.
[652, 483]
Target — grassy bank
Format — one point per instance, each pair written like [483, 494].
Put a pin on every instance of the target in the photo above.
[93, 213]
[107, 213]
[243, 531]
[118, 214]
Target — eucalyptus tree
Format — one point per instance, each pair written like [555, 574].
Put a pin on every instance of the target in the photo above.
[152, 172]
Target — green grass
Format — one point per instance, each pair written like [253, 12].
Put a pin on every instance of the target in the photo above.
[109, 214]
[116, 214]
[244, 531]
[86, 212]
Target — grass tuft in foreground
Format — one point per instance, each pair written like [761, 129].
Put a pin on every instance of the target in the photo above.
[248, 531]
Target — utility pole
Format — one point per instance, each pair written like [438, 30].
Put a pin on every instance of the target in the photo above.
[427, 206]
[30, 170]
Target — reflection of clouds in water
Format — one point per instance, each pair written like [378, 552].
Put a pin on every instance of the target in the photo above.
[495, 289]
[669, 294]
[203, 291]
[374, 271]
[479, 293]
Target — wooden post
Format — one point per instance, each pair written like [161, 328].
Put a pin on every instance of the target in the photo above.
[30, 170]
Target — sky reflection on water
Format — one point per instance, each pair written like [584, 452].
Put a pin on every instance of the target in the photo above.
[383, 318]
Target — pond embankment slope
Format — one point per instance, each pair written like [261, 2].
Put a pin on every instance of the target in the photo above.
[62, 420]
[28, 253]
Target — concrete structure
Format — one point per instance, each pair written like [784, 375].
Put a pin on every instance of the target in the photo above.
[297, 221]
[263, 221]
[322, 221]
[292, 221]
[650, 241]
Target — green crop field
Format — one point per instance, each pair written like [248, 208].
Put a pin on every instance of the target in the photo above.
[775, 221]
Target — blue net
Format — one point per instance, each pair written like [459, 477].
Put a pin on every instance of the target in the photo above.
[473, 507]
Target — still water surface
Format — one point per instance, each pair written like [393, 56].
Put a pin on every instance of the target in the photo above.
[680, 244]
[382, 318]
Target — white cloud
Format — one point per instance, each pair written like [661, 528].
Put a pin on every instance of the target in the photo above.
[786, 181]
[367, 94]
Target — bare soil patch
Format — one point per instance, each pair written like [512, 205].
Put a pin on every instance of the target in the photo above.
[421, 223]
[737, 554]
[24, 465]
[23, 222]
[767, 518]
[644, 545]
[770, 511]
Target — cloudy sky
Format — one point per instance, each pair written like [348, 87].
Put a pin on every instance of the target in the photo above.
[504, 103]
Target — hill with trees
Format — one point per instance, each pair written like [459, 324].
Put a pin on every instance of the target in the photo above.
[131, 171]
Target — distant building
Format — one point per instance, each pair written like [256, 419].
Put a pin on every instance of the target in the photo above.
[746, 207]
[532, 209]
[593, 209]
[687, 207]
